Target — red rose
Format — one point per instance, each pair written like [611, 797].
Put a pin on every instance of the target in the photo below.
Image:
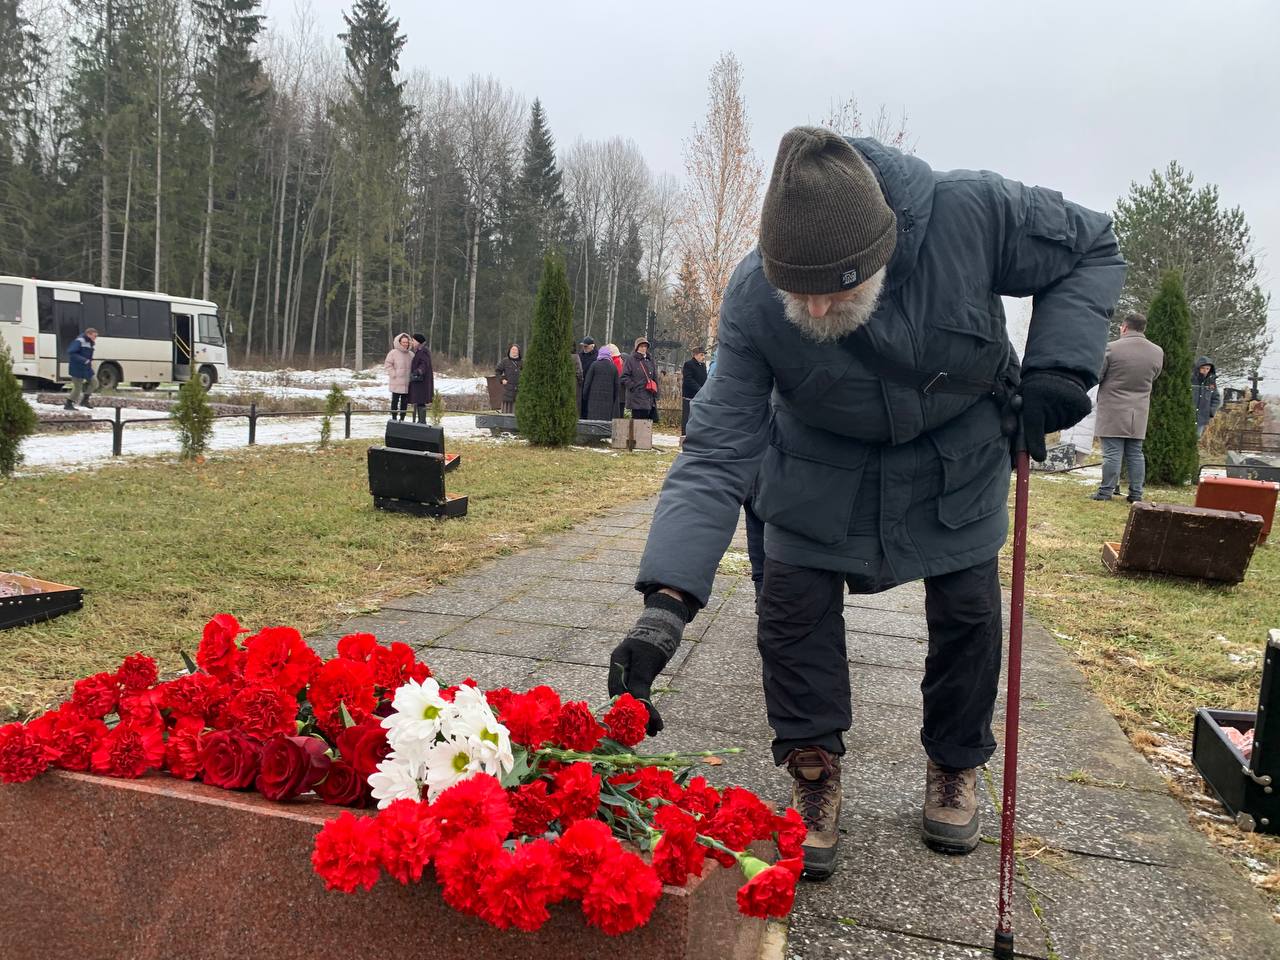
[622, 894]
[533, 810]
[395, 665]
[229, 759]
[129, 750]
[357, 646]
[582, 848]
[790, 831]
[138, 672]
[337, 684]
[577, 793]
[364, 746]
[182, 749]
[519, 888]
[577, 729]
[346, 853]
[96, 696]
[771, 891]
[22, 757]
[290, 766]
[218, 653]
[462, 866]
[280, 657]
[626, 720]
[531, 717]
[262, 711]
[343, 786]
[194, 695]
[408, 837]
[677, 855]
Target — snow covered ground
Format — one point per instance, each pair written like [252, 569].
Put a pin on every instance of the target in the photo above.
[371, 384]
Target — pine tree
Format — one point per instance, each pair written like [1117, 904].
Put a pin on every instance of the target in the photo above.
[17, 419]
[1171, 434]
[546, 404]
[539, 192]
[334, 401]
[193, 419]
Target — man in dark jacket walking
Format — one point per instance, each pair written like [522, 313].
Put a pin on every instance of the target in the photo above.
[870, 313]
[1204, 391]
[80, 369]
[692, 376]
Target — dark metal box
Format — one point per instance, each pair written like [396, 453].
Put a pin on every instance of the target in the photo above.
[38, 600]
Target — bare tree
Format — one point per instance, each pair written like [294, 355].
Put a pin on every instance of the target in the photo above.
[662, 209]
[626, 182]
[846, 119]
[584, 179]
[722, 211]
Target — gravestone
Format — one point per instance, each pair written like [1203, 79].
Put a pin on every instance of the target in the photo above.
[1061, 456]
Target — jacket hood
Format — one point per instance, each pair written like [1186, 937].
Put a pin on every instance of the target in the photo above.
[907, 183]
[396, 341]
[1200, 362]
[604, 354]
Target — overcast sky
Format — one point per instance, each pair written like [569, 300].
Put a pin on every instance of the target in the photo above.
[1083, 97]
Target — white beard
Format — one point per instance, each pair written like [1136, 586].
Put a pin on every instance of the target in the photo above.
[843, 317]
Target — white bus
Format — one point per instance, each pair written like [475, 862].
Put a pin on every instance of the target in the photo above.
[144, 338]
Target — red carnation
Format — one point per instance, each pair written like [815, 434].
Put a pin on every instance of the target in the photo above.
[772, 890]
[343, 786]
[229, 759]
[577, 793]
[396, 665]
[533, 809]
[677, 855]
[622, 894]
[520, 887]
[75, 739]
[577, 729]
[218, 653]
[138, 672]
[462, 866]
[364, 746]
[262, 711]
[141, 708]
[357, 646]
[498, 699]
[194, 695]
[22, 756]
[341, 683]
[790, 831]
[96, 696]
[478, 802]
[290, 766]
[626, 720]
[531, 717]
[129, 750]
[582, 848]
[346, 853]
[698, 797]
[182, 749]
[280, 657]
[408, 838]
[651, 782]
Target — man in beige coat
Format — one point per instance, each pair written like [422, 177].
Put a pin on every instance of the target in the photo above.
[1131, 365]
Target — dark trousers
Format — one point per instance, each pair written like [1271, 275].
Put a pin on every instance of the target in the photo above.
[684, 414]
[755, 544]
[649, 414]
[806, 669]
[419, 413]
[399, 401]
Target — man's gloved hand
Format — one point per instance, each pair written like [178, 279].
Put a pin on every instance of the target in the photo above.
[646, 649]
[1051, 400]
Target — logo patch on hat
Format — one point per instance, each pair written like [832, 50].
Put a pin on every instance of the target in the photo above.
[849, 279]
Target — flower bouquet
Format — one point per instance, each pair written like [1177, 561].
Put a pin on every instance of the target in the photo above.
[518, 801]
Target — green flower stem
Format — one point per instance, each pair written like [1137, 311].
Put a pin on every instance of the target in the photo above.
[633, 760]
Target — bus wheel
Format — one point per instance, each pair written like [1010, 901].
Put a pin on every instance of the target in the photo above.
[148, 386]
[108, 376]
[208, 377]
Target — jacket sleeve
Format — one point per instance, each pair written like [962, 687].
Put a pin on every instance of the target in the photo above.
[702, 497]
[1066, 257]
[1215, 399]
[75, 350]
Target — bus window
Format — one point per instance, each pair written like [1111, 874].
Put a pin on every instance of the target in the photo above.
[210, 330]
[154, 322]
[113, 306]
[93, 310]
[10, 303]
[118, 325]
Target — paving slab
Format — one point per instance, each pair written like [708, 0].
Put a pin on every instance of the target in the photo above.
[456, 602]
[416, 629]
[487, 669]
[848, 939]
[532, 608]
[536, 641]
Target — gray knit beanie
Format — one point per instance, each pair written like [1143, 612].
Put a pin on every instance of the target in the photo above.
[826, 226]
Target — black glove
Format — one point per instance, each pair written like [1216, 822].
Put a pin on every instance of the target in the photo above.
[645, 650]
[1051, 400]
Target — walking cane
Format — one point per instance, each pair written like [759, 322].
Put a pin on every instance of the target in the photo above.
[1004, 925]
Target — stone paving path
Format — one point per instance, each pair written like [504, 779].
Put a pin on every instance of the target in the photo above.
[1111, 868]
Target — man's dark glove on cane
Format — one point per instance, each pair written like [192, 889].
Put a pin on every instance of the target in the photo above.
[649, 647]
[1051, 400]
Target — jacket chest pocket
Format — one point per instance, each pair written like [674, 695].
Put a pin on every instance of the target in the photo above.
[807, 496]
[975, 467]
[970, 341]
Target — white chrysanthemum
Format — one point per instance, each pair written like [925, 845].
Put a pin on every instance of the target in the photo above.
[448, 762]
[420, 712]
[394, 780]
[490, 740]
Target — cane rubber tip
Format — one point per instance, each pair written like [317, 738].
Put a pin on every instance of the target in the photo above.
[1004, 946]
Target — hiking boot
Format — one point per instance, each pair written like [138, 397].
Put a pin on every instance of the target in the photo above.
[950, 809]
[69, 406]
[86, 404]
[817, 799]
[1101, 496]
[1132, 499]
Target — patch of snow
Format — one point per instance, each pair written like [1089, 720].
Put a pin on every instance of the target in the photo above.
[371, 384]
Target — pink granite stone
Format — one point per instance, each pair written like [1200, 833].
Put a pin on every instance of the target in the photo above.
[159, 868]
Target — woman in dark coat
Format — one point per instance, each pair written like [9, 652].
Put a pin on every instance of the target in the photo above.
[600, 389]
[422, 381]
[509, 371]
[637, 373]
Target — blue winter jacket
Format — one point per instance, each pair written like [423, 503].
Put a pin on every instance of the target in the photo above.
[80, 358]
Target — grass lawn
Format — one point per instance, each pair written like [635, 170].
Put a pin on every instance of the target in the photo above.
[274, 535]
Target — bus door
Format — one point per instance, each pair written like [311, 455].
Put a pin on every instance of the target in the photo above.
[182, 346]
[66, 322]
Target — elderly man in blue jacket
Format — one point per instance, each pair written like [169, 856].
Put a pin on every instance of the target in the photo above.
[864, 371]
[80, 369]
